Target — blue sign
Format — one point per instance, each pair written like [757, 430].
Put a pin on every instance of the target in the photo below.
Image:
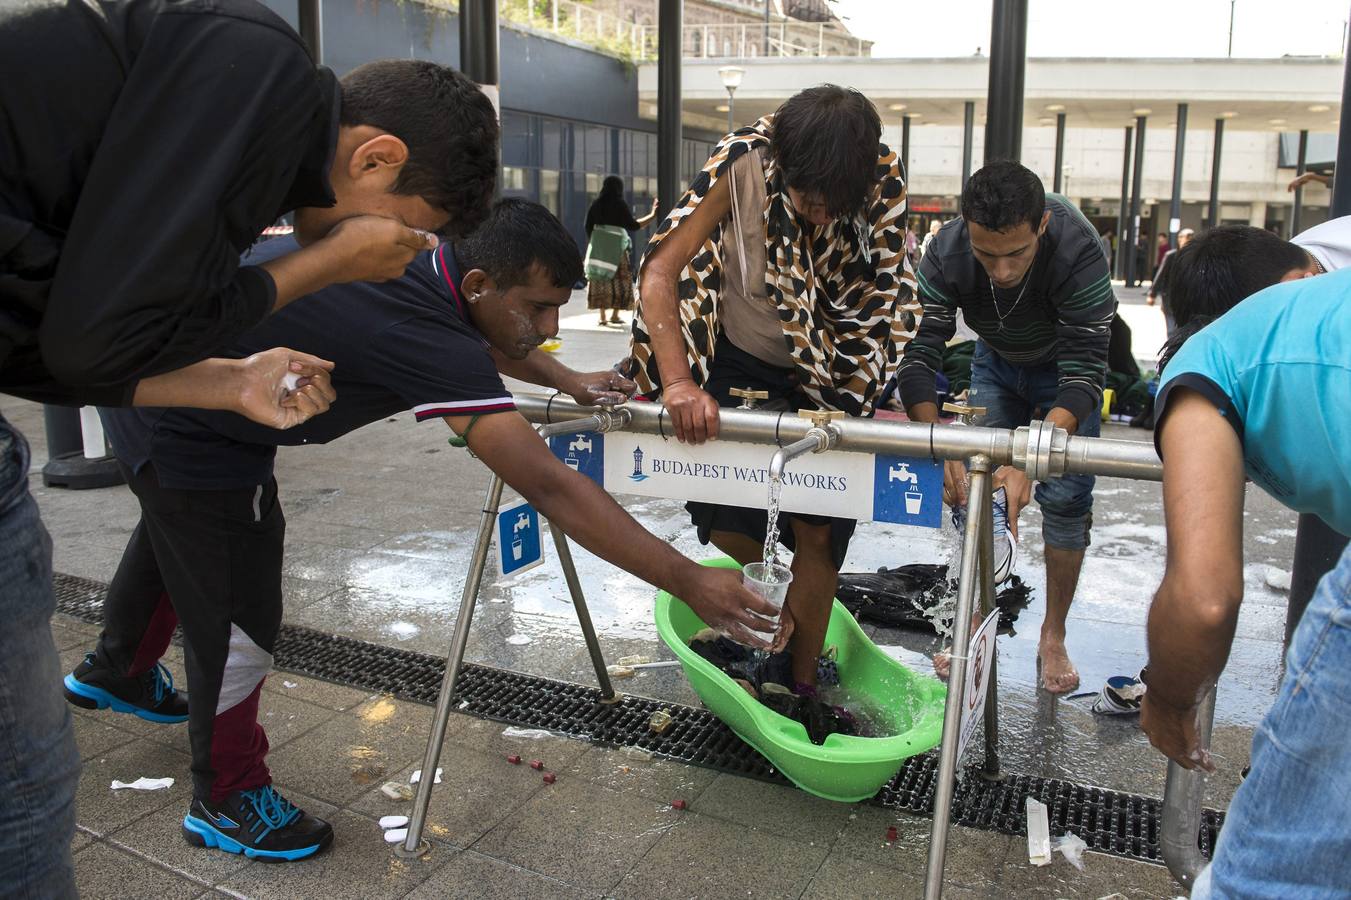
[908, 491]
[583, 453]
[519, 543]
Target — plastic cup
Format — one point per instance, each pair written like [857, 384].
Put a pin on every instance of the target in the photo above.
[770, 581]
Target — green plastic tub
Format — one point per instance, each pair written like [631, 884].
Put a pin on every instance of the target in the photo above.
[844, 768]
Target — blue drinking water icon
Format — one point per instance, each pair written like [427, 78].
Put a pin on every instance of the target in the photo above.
[637, 465]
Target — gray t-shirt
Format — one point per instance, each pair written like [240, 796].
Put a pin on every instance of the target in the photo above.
[749, 318]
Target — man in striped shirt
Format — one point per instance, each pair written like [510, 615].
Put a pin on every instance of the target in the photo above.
[1028, 273]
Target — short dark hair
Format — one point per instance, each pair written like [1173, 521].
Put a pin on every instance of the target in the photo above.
[1218, 270]
[826, 141]
[1003, 194]
[449, 125]
[516, 236]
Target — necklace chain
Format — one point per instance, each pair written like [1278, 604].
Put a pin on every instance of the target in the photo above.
[1027, 279]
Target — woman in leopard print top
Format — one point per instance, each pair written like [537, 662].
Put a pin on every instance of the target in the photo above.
[782, 268]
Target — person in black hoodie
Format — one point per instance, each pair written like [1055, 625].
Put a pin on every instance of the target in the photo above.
[144, 144]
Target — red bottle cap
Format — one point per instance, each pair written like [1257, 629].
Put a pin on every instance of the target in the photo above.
[514, 759]
[679, 804]
[550, 778]
[537, 764]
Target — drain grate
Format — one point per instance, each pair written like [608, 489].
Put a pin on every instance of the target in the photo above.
[1112, 822]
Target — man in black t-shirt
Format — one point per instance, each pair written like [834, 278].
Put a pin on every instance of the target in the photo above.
[207, 553]
[144, 144]
[1028, 273]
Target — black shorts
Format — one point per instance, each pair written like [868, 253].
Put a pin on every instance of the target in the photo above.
[735, 368]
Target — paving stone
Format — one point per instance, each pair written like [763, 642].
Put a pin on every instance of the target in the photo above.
[102, 810]
[81, 840]
[313, 690]
[67, 637]
[485, 735]
[786, 811]
[284, 718]
[477, 791]
[359, 865]
[96, 736]
[580, 833]
[343, 758]
[844, 877]
[102, 871]
[974, 858]
[706, 857]
[657, 779]
[159, 837]
[1102, 875]
[473, 876]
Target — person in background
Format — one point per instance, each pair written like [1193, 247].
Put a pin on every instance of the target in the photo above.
[1309, 178]
[1160, 251]
[1108, 239]
[608, 224]
[929, 238]
[1158, 288]
[781, 269]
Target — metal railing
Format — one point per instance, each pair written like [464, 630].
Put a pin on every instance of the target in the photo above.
[1039, 449]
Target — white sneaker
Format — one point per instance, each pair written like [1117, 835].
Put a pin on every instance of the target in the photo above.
[1005, 544]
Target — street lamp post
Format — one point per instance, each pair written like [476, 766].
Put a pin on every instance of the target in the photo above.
[731, 79]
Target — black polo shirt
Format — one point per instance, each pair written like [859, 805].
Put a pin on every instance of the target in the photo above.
[144, 145]
[402, 345]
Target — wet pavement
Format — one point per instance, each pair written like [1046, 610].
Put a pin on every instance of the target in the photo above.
[380, 527]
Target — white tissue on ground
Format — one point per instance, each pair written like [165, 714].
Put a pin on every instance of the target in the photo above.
[1073, 847]
[417, 776]
[393, 821]
[519, 639]
[144, 784]
[533, 734]
[395, 835]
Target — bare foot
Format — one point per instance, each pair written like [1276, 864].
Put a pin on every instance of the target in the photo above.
[942, 664]
[1058, 674]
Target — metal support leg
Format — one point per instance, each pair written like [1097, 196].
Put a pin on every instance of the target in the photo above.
[1182, 807]
[988, 608]
[977, 513]
[607, 691]
[414, 845]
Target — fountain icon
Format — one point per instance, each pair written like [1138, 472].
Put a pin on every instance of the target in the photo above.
[637, 465]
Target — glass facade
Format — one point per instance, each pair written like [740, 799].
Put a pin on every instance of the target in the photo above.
[561, 163]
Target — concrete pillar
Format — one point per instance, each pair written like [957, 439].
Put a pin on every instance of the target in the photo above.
[1295, 213]
[905, 150]
[1004, 97]
[1058, 177]
[669, 17]
[968, 130]
[1175, 206]
[1257, 214]
[1213, 217]
[1133, 277]
[1123, 211]
[310, 19]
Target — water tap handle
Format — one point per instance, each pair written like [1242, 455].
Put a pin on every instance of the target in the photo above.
[964, 412]
[820, 418]
[748, 397]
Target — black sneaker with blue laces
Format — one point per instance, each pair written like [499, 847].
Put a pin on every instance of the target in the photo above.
[259, 823]
[149, 695]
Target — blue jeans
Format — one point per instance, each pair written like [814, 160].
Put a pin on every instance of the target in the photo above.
[39, 766]
[1287, 833]
[1015, 395]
